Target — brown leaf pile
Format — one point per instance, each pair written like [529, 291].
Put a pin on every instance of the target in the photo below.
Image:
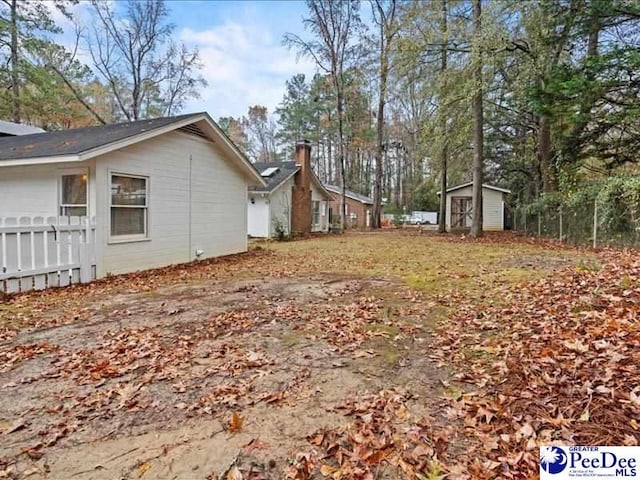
[382, 436]
[552, 361]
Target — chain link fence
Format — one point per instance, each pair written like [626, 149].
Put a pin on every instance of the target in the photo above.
[592, 222]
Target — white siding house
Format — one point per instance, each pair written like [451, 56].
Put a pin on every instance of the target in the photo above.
[293, 200]
[269, 211]
[459, 211]
[160, 191]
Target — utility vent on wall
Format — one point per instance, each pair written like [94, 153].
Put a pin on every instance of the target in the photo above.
[193, 130]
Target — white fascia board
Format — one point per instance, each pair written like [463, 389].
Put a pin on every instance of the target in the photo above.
[39, 160]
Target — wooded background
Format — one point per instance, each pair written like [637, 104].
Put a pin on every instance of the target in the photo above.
[544, 96]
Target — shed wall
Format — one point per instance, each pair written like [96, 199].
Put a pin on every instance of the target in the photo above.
[492, 213]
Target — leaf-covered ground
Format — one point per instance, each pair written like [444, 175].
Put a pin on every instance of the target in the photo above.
[361, 356]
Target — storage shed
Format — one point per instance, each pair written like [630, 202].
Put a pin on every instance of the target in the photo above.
[460, 211]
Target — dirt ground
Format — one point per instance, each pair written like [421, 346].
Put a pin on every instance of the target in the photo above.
[241, 367]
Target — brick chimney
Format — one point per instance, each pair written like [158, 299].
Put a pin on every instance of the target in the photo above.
[301, 195]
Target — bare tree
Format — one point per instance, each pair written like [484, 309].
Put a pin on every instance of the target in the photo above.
[334, 23]
[385, 17]
[261, 132]
[478, 125]
[148, 74]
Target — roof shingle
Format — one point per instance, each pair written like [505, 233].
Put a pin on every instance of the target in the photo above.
[285, 170]
[77, 140]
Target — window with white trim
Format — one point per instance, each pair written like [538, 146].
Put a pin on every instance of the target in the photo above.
[315, 213]
[129, 206]
[73, 195]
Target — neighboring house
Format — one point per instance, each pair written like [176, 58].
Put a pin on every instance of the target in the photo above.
[8, 129]
[293, 201]
[159, 192]
[459, 207]
[359, 208]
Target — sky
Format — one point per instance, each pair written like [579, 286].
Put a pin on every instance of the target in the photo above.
[240, 44]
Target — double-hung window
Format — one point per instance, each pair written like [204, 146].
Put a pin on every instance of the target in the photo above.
[129, 206]
[73, 194]
[315, 219]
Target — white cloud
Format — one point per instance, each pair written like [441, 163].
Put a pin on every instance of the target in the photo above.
[244, 65]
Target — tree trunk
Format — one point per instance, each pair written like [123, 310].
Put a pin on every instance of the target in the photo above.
[478, 133]
[545, 154]
[343, 187]
[442, 220]
[377, 186]
[15, 77]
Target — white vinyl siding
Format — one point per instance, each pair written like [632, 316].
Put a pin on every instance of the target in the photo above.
[34, 190]
[280, 202]
[492, 216]
[197, 201]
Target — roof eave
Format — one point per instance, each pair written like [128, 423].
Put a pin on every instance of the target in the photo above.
[247, 166]
[40, 160]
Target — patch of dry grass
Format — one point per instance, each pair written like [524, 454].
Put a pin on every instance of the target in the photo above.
[429, 263]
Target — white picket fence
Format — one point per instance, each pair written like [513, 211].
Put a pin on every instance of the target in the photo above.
[39, 252]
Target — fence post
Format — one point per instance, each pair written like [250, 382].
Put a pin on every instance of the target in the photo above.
[560, 218]
[595, 223]
[539, 223]
[85, 262]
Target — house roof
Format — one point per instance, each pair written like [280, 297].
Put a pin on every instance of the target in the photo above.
[10, 128]
[285, 170]
[80, 144]
[353, 195]
[469, 184]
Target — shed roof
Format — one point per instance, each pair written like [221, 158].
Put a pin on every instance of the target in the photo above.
[469, 184]
[353, 195]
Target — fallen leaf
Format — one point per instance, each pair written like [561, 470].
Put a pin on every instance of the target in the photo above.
[235, 425]
[255, 444]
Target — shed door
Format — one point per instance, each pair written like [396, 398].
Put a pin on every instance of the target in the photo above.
[461, 212]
